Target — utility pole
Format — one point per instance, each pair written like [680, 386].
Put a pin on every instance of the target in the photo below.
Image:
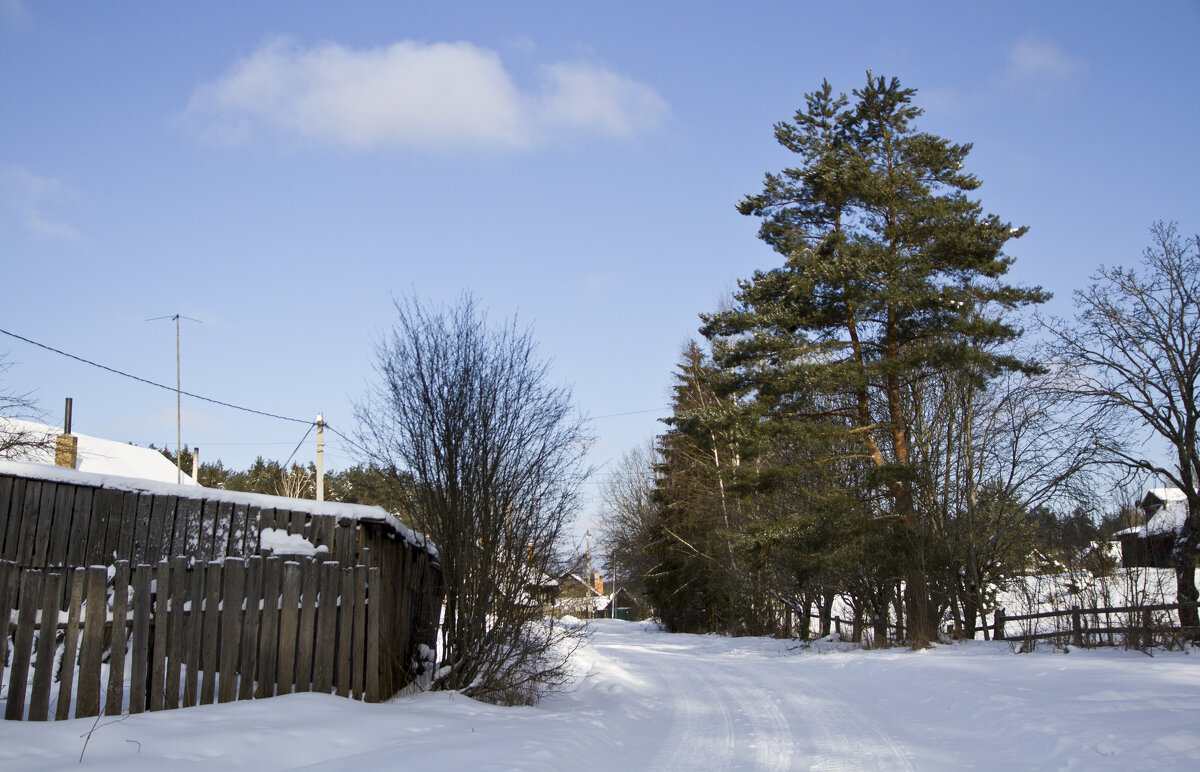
[178, 400]
[320, 457]
[591, 607]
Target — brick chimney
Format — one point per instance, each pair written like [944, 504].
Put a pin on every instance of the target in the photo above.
[66, 447]
[597, 583]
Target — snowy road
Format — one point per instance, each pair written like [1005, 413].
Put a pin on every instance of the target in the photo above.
[654, 701]
[718, 708]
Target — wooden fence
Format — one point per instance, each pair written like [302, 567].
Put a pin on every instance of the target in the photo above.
[52, 523]
[169, 585]
[182, 635]
[1093, 626]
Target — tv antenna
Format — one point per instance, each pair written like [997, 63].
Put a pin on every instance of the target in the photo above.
[178, 392]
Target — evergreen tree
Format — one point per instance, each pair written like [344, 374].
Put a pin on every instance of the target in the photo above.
[890, 272]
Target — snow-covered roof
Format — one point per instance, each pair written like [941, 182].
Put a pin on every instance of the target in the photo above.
[1166, 510]
[97, 455]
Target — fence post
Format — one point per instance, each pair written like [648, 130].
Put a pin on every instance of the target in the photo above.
[1076, 631]
[998, 625]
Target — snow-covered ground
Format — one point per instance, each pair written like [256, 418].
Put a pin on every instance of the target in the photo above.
[651, 700]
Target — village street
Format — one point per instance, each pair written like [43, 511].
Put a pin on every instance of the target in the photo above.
[651, 700]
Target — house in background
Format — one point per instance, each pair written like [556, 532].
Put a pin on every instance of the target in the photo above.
[1150, 545]
[93, 454]
[580, 598]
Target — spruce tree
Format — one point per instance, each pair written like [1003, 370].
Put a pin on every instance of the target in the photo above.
[891, 274]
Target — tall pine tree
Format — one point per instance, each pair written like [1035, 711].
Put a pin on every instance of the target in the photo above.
[891, 274]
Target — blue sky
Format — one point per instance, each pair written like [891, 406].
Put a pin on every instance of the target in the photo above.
[280, 172]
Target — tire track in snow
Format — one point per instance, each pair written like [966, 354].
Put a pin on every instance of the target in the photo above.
[844, 738]
[701, 735]
[770, 746]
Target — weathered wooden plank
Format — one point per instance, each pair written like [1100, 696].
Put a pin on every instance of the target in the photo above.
[347, 539]
[193, 632]
[266, 518]
[8, 572]
[87, 696]
[6, 487]
[268, 639]
[78, 578]
[345, 642]
[30, 513]
[112, 532]
[373, 675]
[359, 643]
[111, 502]
[96, 523]
[139, 665]
[162, 629]
[326, 627]
[45, 522]
[288, 625]
[129, 516]
[221, 532]
[116, 660]
[296, 522]
[18, 677]
[183, 512]
[306, 634]
[231, 626]
[43, 671]
[205, 524]
[81, 515]
[64, 511]
[253, 527]
[191, 535]
[162, 513]
[176, 645]
[250, 626]
[210, 655]
[12, 530]
[141, 533]
[237, 532]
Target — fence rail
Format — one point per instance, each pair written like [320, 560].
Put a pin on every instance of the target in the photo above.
[1085, 623]
[177, 634]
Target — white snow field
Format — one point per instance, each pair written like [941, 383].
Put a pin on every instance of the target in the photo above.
[655, 701]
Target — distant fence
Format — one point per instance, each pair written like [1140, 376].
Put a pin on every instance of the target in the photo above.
[165, 590]
[1138, 624]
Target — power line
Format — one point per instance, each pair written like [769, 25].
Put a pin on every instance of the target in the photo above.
[347, 439]
[152, 383]
[298, 444]
[662, 409]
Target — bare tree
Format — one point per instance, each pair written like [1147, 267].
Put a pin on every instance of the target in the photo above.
[19, 440]
[496, 452]
[1136, 346]
[629, 518]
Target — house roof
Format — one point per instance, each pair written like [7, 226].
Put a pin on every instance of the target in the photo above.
[98, 455]
[1166, 510]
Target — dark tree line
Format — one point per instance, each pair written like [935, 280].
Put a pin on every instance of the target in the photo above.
[865, 422]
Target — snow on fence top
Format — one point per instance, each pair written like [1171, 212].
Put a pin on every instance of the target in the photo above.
[338, 509]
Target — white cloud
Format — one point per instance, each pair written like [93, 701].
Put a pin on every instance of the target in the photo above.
[446, 96]
[26, 197]
[585, 98]
[1041, 66]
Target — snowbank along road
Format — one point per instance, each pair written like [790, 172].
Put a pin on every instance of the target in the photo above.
[655, 701]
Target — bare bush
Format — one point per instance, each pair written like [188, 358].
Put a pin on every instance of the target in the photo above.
[496, 454]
